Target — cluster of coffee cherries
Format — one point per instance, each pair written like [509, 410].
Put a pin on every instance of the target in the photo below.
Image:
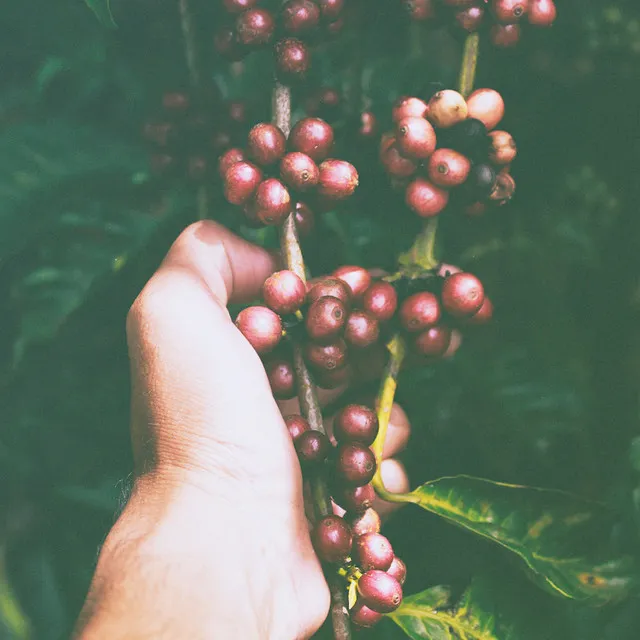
[272, 174]
[185, 139]
[297, 25]
[502, 17]
[448, 151]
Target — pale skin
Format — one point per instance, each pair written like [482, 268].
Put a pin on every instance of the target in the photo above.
[214, 541]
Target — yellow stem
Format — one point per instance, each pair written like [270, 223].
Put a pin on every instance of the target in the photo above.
[469, 64]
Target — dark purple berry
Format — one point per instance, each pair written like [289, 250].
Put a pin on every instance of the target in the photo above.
[355, 464]
[325, 318]
[312, 447]
[332, 539]
[356, 423]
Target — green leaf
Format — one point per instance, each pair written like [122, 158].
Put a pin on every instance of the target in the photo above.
[102, 9]
[563, 540]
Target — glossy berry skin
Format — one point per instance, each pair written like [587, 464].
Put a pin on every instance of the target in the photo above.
[379, 591]
[300, 16]
[305, 219]
[255, 27]
[446, 108]
[355, 464]
[381, 301]
[312, 447]
[357, 499]
[338, 179]
[462, 295]
[299, 171]
[425, 198]
[510, 11]
[296, 425]
[542, 13]
[284, 292]
[238, 6]
[228, 159]
[327, 357]
[420, 311]
[433, 342]
[398, 570]
[362, 329]
[356, 423]
[312, 136]
[325, 319]
[266, 144]
[282, 378]
[372, 551]
[487, 106]
[367, 522]
[503, 148]
[480, 183]
[415, 137]
[363, 617]
[408, 107]
[395, 164]
[484, 314]
[470, 19]
[448, 168]
[505, 35]
[333, 287]
[292, 59]
[332, 539]
[261, 327]
[358, 279]
[331, 10]
[273, 202]
[241, 182]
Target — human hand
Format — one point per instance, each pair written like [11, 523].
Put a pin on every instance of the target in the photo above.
[214, 542]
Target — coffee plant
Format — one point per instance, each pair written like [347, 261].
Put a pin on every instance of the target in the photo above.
[375, 145]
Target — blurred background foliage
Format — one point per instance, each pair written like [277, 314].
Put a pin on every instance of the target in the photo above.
[547, 395]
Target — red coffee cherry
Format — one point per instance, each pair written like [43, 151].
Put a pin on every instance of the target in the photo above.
[333, 287]
[266, 143]
[420, 10]
[300, 16]
[395, 164]
[326, 357]
[420, 311]
[357, 499]
[484, 314]
[487, 106]
[358, 278]
[505, 35]
[425, 199]
[398, 570]
[334, 378]
[503, 148]
[446, 108]
[367, 522]
[238, 6]
[361, 615]
[381, 301]
[470, 19]
[448, 168]
[332, 539]
[325, 319]
[273, 202]
[379, 591]
[296, 425]
[312, 447]
[462, 295]
[355, 464]
[415, 138]
[338, 179]
[228, 159]
[510, 11]
[305, 219]
[356, 423]
[255, 27]
[313, 137]
[372, 551]
[241, 182]
[176, 103]
[504, 189]
[299, 171]
[433, 342]
[362, 329]
[331, 10]
[368, 125]
[409, 107]
[284, 292]
[542, 13]
[261, 327]
[292, 58]
[282, 378]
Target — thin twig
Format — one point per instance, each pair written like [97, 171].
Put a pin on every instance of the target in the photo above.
[469, 64]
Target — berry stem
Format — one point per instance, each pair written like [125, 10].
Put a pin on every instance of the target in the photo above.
[421, 255]
[469, 64]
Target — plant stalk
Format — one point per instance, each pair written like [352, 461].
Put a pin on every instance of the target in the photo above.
[469, 64]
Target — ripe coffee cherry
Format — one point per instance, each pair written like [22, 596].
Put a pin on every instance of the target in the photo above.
[433, 342]
[282, 378]
[284, 292]
[361, 615]
[367, 522]
[333, 379]
[261, 327]
[355, 464]
[296, 425]
[484, 315]
[470, 19]
[420, 10]
[381, 301]
[446, 108]
[292, 58]
[326, 357]
[331, 9]
[228, 159]
[542, 13]
[487, 106]
[395, 164]
[462, 295]
[362, 329]
[266, 143]
[425, 199]
[503, 148]
[368, 125]
[409, 107]
[325, 318]
[379, 591]
[313, 137]
[510, 11]
[372, 551]
[333, 287]
[238, 6]
[468, 137]
[299, 171]
[176, 102]
[420, 311]
[357, 499]
[241, 182]
[273, 202]
[255, 27]
[505, 35]
[480, 183]
[398, 570]
[332, 539]
[415, 138]
[448, 168]
[504, 189]
[358, 279]
[312, 447]
[300, 16]
[356, 423]
[338, 179]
